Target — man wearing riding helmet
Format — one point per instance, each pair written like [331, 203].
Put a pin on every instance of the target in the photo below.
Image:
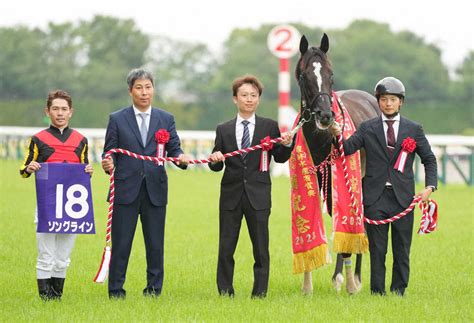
[390, 142]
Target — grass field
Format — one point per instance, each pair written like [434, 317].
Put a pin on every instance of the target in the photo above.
[440, 286]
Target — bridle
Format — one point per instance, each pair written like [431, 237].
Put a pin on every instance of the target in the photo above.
[308, 112]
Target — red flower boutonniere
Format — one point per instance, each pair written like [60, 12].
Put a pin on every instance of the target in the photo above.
[266, 143]
[264, 160]
[162, 137]
[408, 146]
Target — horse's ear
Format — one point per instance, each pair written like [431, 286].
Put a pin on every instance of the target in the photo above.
[303, 45]
[324, 43]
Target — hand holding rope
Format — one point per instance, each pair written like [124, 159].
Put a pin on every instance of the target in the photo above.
[104, 266]
[429, 210]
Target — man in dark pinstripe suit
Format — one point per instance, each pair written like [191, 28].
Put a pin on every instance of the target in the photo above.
[245, 190]
[388, 190]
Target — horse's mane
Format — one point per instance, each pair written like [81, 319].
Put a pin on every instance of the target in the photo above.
[310, 53]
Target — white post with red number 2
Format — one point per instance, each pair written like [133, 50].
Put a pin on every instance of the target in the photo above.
[283, 41]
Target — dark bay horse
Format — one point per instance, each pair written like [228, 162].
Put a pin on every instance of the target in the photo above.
[315, 78]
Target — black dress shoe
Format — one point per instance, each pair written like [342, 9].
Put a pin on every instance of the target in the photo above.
[259, 295]
[398, 292]
[117, 294]
[378, 292]
[227, 292]
[151, 292]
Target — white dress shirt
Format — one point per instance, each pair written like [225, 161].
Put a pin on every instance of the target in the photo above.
[395, 125]
[139, 119]
[239, 129]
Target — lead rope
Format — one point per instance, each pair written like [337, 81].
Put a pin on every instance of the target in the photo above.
[101, 275]
[416, 200]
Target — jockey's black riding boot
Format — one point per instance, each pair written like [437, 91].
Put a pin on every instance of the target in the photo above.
[44, 289]
[57, 285]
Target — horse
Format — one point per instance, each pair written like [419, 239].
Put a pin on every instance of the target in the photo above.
[314, 75]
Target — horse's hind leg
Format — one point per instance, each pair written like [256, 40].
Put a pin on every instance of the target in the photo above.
[358, 271]
[307, 284]
[338, 278]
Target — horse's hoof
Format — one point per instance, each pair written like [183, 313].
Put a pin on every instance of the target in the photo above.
[351, 285]
[337, 282]
[358, 283]
[307, 291]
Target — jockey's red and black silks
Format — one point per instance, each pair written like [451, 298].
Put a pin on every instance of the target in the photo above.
[53, 146]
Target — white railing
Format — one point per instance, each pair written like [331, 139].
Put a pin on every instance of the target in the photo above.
[14, 140]
[454, 152]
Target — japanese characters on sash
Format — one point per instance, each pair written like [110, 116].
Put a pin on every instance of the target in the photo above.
[309, 240]
[347, 214]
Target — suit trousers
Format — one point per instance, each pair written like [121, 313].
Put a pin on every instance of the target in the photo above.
[229, 229]
[402, 232]
[124, 223]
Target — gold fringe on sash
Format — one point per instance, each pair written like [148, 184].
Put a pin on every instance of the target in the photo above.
[350, 242]
[307, 261]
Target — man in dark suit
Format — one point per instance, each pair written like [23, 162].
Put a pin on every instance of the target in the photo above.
[245, 190]
[387, 189]
[141, 187]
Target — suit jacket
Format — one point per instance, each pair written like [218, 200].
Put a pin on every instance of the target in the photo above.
[240, 175]
[123, 132]
[379, 165]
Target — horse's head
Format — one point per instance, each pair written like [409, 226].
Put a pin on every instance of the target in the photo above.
[314, 76]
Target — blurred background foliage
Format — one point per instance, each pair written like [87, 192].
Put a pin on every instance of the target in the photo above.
[91, 59]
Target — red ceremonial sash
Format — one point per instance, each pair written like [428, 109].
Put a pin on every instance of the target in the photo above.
[308, 235]
[348, 226]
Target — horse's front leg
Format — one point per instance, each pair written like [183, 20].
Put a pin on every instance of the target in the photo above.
[358, 271]
[337, 277]
[307, 288]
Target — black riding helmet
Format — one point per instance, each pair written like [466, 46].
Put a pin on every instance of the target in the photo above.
[390, 85]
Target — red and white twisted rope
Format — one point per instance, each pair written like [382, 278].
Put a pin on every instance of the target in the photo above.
[103, 269]
[416, 200]
[429, 219]
[346, 176]
[109, 153]
[424, 211]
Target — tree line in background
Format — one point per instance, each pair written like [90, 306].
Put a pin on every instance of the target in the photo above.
[91, 59]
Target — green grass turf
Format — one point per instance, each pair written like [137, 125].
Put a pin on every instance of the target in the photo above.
[440, 286]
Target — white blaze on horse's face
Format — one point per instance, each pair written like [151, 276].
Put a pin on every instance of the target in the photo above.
[319, 80]
[317, 72]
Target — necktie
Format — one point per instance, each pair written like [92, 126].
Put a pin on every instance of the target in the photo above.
[143, 128]
[245, 137]
[390, 136]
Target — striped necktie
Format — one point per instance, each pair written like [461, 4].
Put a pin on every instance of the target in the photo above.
[245, 137]
[143, 128]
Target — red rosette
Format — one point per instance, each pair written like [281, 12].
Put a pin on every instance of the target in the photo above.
[409, 144]
[162, 136]
[264, 160]
[266, 143]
